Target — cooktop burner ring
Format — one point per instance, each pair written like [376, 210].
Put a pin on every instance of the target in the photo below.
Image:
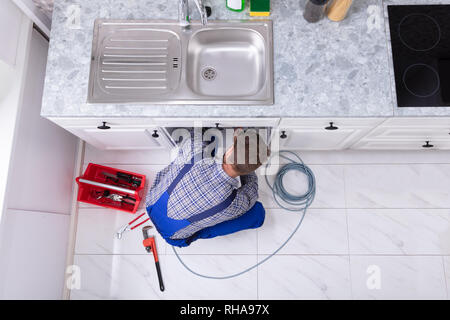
[433, 34]
[421, 80]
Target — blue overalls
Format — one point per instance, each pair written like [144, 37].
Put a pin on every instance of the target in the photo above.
[167, 227]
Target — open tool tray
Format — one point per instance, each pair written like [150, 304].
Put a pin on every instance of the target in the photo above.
[111, 188]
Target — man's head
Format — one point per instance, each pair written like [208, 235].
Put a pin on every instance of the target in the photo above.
[248, 153]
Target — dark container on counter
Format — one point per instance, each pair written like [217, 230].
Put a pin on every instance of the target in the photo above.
[314, 10]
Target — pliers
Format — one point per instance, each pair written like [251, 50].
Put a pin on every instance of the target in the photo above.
[128, 226]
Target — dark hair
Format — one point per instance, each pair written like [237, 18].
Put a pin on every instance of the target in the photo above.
[252, 145]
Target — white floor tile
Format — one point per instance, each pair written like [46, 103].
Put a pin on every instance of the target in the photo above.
[330, 188]
[96, 233]
[388, 231]
[134, 277]
[374, 157]
[98, 156]
[33, 259]
[304, 277]
[397, 277]
[321, 232]
[398, 186]
[243, 242]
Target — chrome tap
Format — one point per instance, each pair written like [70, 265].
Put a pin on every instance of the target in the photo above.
[183, 12]
[202, 9]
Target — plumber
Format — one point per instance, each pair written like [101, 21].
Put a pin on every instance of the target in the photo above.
[201, 195]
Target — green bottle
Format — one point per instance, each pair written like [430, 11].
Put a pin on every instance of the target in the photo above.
[235, 5]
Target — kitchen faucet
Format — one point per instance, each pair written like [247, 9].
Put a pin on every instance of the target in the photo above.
[183, 12]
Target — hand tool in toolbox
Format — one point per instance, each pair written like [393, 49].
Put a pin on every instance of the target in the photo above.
[120, 176]
[129, 227]
[106, 194]
[150, 245]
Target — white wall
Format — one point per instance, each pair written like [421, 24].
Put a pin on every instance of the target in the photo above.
[10, 23]
[43, 159]
[12, 79]
[35, 221]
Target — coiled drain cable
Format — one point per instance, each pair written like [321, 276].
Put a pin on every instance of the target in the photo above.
[283, 198]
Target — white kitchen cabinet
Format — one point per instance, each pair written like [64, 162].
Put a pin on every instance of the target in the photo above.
[408, 134]
[294, 133]
[139, 133]
[323, 134]
[118, 133]
[124, 138]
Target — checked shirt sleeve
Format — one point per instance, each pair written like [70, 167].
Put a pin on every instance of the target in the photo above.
[247, 194]
[155, 190]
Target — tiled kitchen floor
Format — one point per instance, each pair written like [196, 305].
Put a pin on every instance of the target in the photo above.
[378, 229]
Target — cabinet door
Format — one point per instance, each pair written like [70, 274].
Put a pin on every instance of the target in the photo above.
[317, 139]
[414, 133]
[408, 134]
[124, 138]
[323, 134]
[402, 145]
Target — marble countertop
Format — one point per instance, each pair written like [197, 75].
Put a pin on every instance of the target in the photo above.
[320, 70]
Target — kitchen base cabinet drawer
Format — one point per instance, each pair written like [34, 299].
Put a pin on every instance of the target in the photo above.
[325, 122]
[221, 122]
[414, 133]
[94, 122]
[316, 139]
[323, 134]
[124, 138]
[408, 122]
[402, 145]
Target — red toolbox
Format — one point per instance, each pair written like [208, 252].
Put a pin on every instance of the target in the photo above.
[111, 188]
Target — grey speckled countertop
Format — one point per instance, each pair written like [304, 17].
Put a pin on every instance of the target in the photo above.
[320, 70]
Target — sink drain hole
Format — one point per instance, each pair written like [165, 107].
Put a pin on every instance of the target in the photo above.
[209, 73]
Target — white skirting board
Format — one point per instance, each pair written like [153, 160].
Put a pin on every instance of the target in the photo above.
[78, 171]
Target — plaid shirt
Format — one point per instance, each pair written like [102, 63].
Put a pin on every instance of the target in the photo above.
[203, 187]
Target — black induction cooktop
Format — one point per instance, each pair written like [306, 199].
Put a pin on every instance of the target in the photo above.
[420, 37]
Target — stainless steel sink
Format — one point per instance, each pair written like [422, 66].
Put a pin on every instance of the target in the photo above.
[226, 62]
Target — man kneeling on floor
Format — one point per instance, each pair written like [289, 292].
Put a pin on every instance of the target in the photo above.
[199, 196]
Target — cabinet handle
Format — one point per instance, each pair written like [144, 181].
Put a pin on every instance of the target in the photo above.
[427, 145]
[331, 127]
[283, 135]
[155, 134]
[104, 126]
